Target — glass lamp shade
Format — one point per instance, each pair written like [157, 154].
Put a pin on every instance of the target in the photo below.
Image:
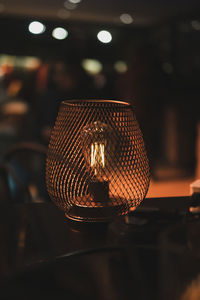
[97, 167]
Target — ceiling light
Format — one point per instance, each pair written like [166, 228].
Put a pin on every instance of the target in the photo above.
[74, 1]
[120, 66]
[36, 27]
[126, 19]
[59, 33]
[70, 5]
[104, 36]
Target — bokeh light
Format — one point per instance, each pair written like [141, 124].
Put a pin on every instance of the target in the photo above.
[104, 36]
[36, 27]
[70, 5]
[91, 66]
[126, 19]
[74, 1]
[59, 33]
[120, 66]
[63, 13]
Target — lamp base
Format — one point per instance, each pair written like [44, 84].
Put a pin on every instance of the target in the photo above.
[97, 212]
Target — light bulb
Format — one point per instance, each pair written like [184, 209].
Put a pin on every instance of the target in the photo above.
[98, 151]
[97, 160]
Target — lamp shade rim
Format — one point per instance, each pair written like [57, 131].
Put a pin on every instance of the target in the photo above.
[82, 102]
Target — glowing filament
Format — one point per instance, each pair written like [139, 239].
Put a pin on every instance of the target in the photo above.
[97, 157]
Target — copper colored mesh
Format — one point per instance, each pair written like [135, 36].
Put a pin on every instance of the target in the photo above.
[71, 181]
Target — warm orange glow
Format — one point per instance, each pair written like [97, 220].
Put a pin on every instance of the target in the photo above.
[14, 87]
[97, 157]
[80, 102]
[133, 208]
[170, 188]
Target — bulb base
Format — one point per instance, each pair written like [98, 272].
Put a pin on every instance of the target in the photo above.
[99, 191]
[97, 212]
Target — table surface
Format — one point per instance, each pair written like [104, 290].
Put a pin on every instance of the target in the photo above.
[42, 252]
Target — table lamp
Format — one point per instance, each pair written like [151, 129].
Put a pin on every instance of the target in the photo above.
[97, 167]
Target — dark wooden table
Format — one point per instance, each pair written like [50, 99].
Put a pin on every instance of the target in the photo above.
[43, 254]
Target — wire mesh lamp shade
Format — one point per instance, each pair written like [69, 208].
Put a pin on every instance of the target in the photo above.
[97, 167]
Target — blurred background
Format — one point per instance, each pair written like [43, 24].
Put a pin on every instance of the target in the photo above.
[145, 52]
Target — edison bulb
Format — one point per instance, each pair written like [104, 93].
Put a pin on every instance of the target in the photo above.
[98, 149]
[98, 153]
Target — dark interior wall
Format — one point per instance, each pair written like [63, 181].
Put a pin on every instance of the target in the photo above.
[162, 78]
